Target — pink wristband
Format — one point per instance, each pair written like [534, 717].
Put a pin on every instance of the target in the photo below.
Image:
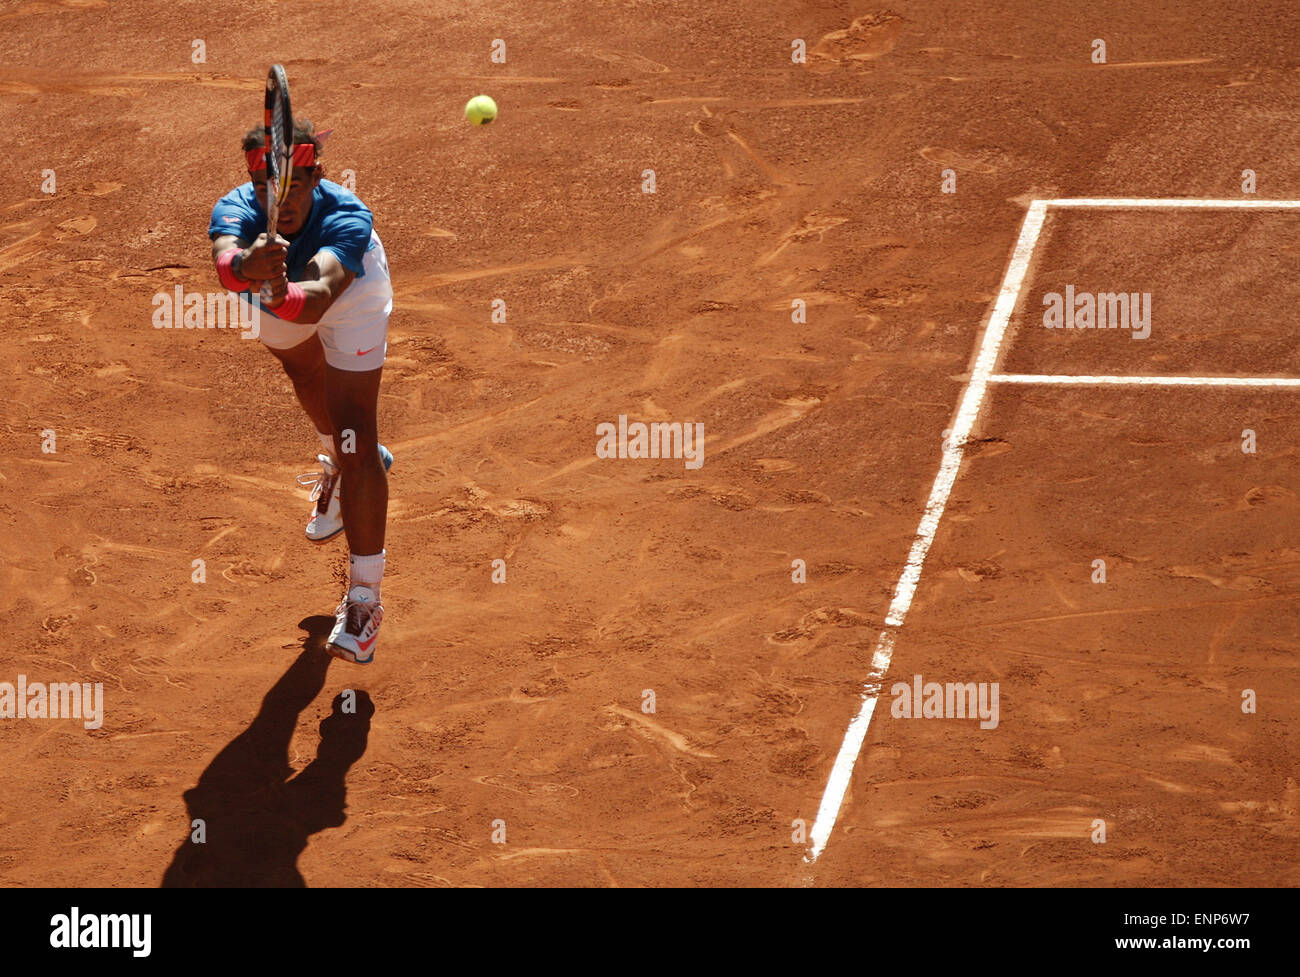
[226, 271]
[295, 298]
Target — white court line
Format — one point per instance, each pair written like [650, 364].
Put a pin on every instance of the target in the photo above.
[829, 809]
[1147, 381]
[967, 414]
[1172, 202]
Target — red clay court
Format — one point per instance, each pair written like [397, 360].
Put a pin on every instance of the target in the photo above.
[502, 737]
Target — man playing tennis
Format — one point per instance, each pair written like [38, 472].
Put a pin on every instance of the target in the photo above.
[327, 322]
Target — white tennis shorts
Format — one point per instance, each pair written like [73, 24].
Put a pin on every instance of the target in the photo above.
[354, 330]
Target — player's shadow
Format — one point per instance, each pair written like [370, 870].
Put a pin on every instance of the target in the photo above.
[256, 815]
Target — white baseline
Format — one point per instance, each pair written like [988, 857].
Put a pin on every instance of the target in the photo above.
[1145, 381]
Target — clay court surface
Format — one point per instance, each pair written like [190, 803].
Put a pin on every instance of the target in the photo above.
[522, 702]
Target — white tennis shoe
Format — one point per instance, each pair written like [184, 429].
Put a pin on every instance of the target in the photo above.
[326, 520]
[356, 626]
[326, 514]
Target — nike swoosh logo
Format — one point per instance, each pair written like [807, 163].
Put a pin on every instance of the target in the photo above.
[365, 352]
[365, 645]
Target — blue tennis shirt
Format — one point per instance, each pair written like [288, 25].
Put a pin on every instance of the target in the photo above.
[339, 222]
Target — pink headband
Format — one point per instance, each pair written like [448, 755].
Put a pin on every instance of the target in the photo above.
[304, 154]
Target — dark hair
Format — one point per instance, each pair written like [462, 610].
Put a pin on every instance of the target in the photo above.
[303, 132]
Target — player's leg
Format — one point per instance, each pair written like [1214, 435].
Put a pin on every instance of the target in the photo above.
[355, 335]
[304, 365]
[352, 398]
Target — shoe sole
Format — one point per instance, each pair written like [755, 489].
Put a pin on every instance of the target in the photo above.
[338, 651]
[387, 457]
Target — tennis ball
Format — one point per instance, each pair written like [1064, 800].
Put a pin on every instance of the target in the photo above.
[480, 110]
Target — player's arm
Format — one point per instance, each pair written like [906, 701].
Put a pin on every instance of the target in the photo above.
[241, 264]
[323, 281]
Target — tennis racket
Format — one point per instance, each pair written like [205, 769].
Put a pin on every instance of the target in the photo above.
[279, 152]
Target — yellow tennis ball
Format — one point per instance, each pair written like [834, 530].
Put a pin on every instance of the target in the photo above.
[480, 110]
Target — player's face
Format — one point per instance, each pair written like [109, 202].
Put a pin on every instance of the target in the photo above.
[297, 206]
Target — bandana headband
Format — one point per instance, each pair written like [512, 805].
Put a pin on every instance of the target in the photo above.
[304, 154]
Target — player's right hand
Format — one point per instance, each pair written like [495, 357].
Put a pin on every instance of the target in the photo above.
[264, 259]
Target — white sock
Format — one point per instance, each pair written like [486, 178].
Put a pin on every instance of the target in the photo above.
[367, 571]
[327, 442]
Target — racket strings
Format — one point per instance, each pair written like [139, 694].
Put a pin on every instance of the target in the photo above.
[279, 155]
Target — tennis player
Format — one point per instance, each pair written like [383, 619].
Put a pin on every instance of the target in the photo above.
[327, 323]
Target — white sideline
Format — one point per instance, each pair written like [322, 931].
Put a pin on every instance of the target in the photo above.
[829, 809]
[968, 412]
[1125, 202]
[1147, 381]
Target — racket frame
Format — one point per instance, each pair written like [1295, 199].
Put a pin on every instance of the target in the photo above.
[279, 164]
